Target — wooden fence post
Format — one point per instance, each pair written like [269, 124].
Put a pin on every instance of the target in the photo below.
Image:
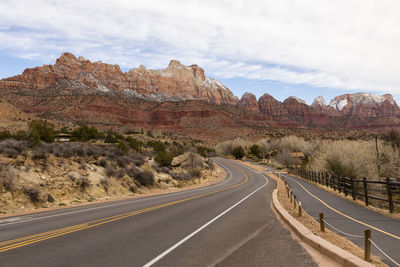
[367, 245]
[365, 191]
[389, 192]
[300, 210]
[321, 222]
[353, 189]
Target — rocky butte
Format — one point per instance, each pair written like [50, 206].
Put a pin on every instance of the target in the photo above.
[178, 98]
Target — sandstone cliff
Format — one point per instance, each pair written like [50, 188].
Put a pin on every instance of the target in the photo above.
[174, 82]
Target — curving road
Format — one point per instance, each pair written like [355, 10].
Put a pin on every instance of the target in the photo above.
[349, 219]
[226, 224]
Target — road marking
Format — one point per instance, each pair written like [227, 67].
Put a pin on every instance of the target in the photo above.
[17, 220]
[23, 241]
[166, 252]
[343, 214]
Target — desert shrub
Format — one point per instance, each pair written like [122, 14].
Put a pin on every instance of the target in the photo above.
[341, 169]
[145, 178]
[41, 152]
[149, 133]
[134, 143]
[12, 148]
[50, 198]
[41, 131]
[195, 173]
[164, 159]
[110, 137]
[33, 193]
[225, 148]
[105, 183]
[8, 179]
[111, 171]
[293, 144]
[21, 135]
[123, 161]
[103, 163]
[238, 152]
[205, 151]
[85, 133]
[210, 164]
[5, 135]
[180, 176]
[285, 158]
[82, 182]
[156, 145]
[137, 159]
[160, 169]
[337, 155]
[123, 147]
[255, 150]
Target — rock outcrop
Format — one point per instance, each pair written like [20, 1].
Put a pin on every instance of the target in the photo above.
[363, 105]
[249, 103]
[270, 106]
[175, 82]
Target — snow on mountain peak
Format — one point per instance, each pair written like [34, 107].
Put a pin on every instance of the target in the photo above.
[319, 101]
[298, 99]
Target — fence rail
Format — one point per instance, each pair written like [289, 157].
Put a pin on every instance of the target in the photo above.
[382, 194]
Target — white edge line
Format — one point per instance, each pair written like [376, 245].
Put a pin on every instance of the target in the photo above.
[22, 220]
[162, 255]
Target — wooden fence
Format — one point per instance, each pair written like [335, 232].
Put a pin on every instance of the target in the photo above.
[383, 194]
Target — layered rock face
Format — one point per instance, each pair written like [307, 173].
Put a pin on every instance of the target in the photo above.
[269, 105]
[363, 105]
[176, 81]
[79, 91]
[249, 103]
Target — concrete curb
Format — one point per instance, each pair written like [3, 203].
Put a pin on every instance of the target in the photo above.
[335, 253]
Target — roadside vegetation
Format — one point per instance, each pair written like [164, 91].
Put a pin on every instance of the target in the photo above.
[36, 170]
[374, 158]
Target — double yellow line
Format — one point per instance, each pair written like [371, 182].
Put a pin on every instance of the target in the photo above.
[31, 239]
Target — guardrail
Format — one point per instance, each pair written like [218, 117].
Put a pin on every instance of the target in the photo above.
[373, 192]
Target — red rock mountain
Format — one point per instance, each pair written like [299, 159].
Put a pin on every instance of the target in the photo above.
[175, 82]
[178, 98]
[249, 102]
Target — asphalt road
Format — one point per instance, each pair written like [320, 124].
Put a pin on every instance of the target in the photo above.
[227, 224]
[349, 219]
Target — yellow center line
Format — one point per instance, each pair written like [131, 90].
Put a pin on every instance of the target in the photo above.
[27, 240]
[345, 215]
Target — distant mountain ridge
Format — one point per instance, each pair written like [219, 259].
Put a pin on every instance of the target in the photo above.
[75, 89]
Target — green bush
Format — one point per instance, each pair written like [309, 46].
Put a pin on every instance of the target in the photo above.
[255, 150]
[134, 143]
[5, 135]
[238, 152]
[205, 151]
[339, 168]
[163, 158]
[110, 138]
[150, 134]
[195, 173]
[41, 131]
[85, 133]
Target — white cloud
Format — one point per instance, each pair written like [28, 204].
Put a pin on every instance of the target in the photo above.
[342, 44]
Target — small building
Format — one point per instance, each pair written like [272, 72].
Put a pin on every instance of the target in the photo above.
[62, 137]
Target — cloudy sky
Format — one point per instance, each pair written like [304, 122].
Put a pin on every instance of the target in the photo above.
[303, 48]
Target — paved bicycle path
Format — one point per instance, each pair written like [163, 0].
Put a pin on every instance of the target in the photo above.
[348, 217]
